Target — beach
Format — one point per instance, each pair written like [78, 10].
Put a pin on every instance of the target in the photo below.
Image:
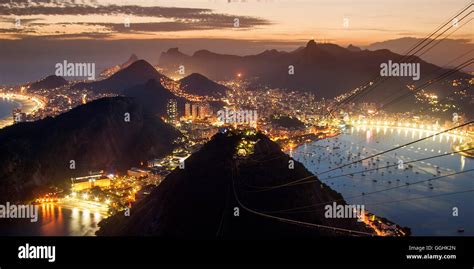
[27, 104]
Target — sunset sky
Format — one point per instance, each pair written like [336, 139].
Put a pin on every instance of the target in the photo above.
[369, 21]
[48, 31]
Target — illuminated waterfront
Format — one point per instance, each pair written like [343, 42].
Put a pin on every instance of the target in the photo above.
[55, 220]
[427, 216]
[6, 107]
[28, 105]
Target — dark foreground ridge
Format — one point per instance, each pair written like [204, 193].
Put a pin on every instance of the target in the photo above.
[35, 155]
[215, 196]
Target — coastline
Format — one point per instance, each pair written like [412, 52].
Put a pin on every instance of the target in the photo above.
[345, 180]
[27, 105]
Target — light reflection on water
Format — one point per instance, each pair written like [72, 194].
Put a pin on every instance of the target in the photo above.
[6, 107]
[54, 220]
[431, 216]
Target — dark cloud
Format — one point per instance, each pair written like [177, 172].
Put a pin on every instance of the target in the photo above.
[182, 19]
[175, 26]
[165, 12]
[60, 35]
[179, 14]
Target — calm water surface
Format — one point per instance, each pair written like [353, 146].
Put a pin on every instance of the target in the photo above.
[427, 216]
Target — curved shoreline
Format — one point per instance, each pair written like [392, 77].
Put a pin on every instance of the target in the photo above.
[402, 127]
[27, 104]
[344, 188]
[465, 138]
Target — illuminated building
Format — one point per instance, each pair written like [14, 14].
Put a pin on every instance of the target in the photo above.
[172, 109]
[187, 110]
[204, 111]
[18, 116]
[194, 113]
[89, 182]
[138, 172]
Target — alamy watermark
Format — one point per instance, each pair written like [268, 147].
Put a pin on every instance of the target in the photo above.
[229, 116]
[12, 211]
[37, 252]
[344, 211]
[66, 69]
[391, 69]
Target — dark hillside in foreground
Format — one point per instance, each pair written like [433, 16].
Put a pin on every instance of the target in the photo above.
[34, 155]
[201, 200]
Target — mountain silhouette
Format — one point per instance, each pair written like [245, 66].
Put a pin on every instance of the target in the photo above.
[198, 84]
[325, 69]
[215, 196]
[133, 58]
[153, 97]
[49, 82]
[34, 155]
[353, 48]
[114, 69]
[138, 72]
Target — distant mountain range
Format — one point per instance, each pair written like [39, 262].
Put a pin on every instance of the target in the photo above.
[353, 48]
[49, 82]
[140, 80]
[328, 70]
[35, 155]
[201, 200]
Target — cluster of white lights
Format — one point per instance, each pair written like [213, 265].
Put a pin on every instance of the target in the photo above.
[85, 196]
[427, 127]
